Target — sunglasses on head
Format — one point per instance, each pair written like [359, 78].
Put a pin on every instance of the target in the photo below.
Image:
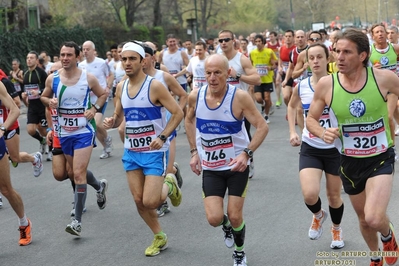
[314, 39]
[224, 40]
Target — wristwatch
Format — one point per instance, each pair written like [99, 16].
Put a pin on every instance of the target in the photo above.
[249, 152]
[3, 128]
[238, 76]
[163, 137]
[97, 107]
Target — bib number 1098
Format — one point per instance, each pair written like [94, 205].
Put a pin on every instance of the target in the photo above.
[140, 142]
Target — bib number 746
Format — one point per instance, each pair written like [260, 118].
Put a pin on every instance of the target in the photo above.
[215, 155]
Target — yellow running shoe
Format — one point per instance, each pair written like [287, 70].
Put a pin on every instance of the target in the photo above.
[175, 196]
[158, 244]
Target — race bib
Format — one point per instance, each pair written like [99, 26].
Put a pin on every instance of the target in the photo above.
[324, 120]
[33, 91]
[139, 138]
[365, 139]
[55, 121]
[17, 87]
[217, 152]
[261, 69]
[71, 119]
[199, 82]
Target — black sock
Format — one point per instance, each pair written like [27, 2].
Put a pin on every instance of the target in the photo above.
[92, 181]
[38, 136]
[316, 207]
[336, 214]
[80, 200]
[72, 184]
[239, 236]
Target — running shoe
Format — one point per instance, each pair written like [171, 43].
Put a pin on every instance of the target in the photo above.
[267, 119]
[271, 111]
[101, 195]
[38, 166]
[378, 262]
[316, 229]
[163, 209]
[49, 157]
[1, 202]
[337, 240]
[42, 147]
[25, 236]
[391, 245]
[178, 175]
[228, 236]
[278, 104]
[239, 257]
[108, 144]
[105, 155]
[158, 244]
[176, 195]
[73, 210]
[74, 228]
[251, 169]
[13, 163]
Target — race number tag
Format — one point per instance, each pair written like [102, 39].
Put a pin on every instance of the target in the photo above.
[55, 121]
[33, 91]
[362, 140]
[17, 87]
[72, 119]
[199, 82]
[324, 120]
[262, 69]
[139, 138]
[217, 152]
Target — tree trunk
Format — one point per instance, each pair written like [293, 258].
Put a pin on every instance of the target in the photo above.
[157, 13]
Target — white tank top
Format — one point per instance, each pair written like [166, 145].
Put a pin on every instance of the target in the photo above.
[235, 63]
[220, 137]
[174, 63]
[119, 73]
[144, 120]
[73, 101]
[306, 92]
[159, 76]
[197, 68]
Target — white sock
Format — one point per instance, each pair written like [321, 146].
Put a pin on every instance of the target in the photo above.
[23, 221]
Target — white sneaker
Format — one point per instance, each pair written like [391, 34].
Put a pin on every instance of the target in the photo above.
[251, 169]
[239, 257]
[49, 157]
[108, 144]
[38, 166]
[228, 236]
[74, 228]
[105, 155]
[397, 130]
[1, 202]
[271, 111]
[316, 229]
[337, 240]
[42, 147]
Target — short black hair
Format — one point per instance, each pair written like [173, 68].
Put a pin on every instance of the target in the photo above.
[74, 45]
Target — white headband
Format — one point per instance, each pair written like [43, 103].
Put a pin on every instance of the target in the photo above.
[131, 46]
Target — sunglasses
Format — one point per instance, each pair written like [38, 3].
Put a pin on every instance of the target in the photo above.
[314, 39]
[224, 40]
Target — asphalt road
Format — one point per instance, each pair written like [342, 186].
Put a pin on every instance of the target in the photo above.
[277, 219]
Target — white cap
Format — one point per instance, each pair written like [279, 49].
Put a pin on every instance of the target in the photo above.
[131, 46]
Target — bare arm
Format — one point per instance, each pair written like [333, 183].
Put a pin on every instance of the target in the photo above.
[47, 93]
[181, 73]
[190, 123]
[160, 56]
[159, 94]
[250, 75]
[321, 98]
[97, 90]
[291, 113]
[177, 90]
[117, 117]
[185, 59]
[300, 66]
[8, 102]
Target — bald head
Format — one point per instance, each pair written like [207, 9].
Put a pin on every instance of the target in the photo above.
[56, 66]
[217, 59]
[89, 49]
